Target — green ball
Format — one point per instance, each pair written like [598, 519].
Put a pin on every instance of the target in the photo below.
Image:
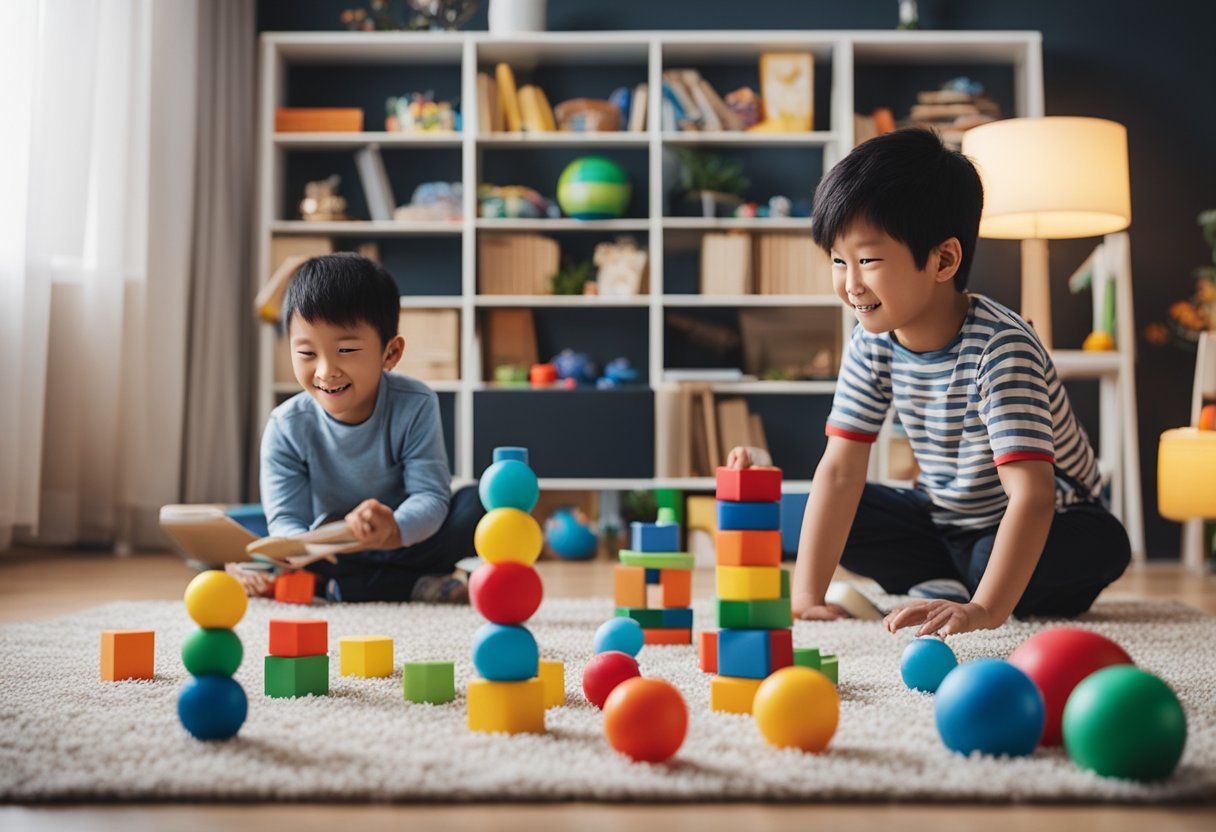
[593, 188]
[214, 651]
[1124, 722]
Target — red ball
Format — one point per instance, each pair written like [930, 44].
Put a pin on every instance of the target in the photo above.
[604, 672]
[646, 719]
[507, 592]
[1057, 660]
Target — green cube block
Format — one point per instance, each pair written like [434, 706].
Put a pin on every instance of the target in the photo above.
[644, 617]
[297, 676]
[431, 682]
[658, 560]
[785, 585]
[768, 614]
[830, 667]
[807, 657]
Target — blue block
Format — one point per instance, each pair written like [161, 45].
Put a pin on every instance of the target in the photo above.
[505, 653]
[748, 516]
[654, 537]
[505, 452]
[793, 507]
[677, 618]
[654, 576]
[743, 653]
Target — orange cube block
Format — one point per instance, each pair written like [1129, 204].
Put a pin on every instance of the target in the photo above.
[677, 587]
[127, 654]
[707, 650]
[295, 587]
[666, 635]
[629, 586]
[293, 638]
[748, 548]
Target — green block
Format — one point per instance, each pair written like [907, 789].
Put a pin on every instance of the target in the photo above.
[785, 585]
[807, 657]
[766, 614]
[657, 560]
[297, 676]
[433, 682]
[829, 666]
[645, 617]
[673, 499]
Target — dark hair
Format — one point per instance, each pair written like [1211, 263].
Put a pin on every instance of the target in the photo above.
[909, 185]
[344, 289]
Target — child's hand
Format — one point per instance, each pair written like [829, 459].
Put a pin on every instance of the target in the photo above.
[744, 457]
[819, 612]
[373, 525]
[256, 584]
[945, 617]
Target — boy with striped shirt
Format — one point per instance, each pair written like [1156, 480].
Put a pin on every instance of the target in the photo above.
[1006, 503]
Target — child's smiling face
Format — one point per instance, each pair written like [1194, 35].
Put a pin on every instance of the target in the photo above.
[340, 365]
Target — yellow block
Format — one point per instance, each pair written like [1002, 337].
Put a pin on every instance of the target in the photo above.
[749, 583]
[1186, 474]
[732, 694]
[629, 586]
[702, 513]
[366, 656]
[553, 676]
[507, 707]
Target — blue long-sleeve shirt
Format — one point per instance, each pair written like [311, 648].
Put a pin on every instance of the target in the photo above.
[315, 467]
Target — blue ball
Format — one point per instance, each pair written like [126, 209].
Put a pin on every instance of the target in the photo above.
[623, 634]
[505, 653]
[212, 707]
[989, 706]
[925, 662]
[508, 484]
[569, 538]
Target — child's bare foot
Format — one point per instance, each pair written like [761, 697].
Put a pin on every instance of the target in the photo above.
[440, 589]
[257, 584]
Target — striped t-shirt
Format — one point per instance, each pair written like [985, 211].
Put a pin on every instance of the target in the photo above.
[988, 397]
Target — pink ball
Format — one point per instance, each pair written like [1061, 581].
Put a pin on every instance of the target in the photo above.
[604, 672]
[506, 592]
[1057, 660]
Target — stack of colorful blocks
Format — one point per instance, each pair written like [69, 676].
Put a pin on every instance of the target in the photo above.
[510, 695]
[298, 664]
[652, 560]
[212, 705]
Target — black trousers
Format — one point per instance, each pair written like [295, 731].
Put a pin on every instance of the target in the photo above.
[895, 541]
[390, 575]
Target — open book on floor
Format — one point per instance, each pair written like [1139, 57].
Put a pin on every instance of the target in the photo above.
[211, 535]
[295, 552]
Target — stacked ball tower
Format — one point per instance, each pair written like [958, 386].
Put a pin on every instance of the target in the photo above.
[652, 560]
[212, 705]
[510, 695]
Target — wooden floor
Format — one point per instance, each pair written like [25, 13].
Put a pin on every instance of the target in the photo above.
[39, 584]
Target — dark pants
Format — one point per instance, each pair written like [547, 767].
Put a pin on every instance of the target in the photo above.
[895, 541]
[391, 575]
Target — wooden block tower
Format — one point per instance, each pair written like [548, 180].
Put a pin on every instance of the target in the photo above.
[298, 664]
[510, 695]
[653, 583]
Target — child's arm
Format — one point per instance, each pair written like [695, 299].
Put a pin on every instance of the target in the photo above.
[1020, 538]
[835, 492]
[428, 481]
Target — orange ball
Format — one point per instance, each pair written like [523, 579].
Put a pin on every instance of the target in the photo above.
[646, 719]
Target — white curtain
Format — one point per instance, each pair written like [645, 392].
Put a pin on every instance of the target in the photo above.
[99, 101]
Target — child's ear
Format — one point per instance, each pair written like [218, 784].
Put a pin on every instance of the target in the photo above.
[949, 256]
[393, 352]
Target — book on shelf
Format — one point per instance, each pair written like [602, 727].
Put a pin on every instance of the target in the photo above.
[318, 119]
[622, 99]
[729, 118]
[536, 116]
[637, 109]
[687, 110]
[726, 263]
[376, 186]
[697, 429]
[508, 98]
[485, 112]
[787, 93]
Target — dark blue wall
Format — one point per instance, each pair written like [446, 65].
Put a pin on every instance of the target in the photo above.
[1149, 66]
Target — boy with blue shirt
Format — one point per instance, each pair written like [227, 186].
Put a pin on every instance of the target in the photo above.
[362, 444]
[1005, 512]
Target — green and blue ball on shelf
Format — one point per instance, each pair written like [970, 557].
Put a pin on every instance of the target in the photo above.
[594, 188]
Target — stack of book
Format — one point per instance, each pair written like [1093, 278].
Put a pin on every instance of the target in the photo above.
[699, 429]
[951, 112]
[691, 103]
[505, 107]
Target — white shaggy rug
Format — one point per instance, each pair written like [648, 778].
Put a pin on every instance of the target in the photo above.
[66, 735]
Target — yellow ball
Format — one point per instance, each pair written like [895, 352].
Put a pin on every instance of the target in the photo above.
[797, 707]
[508, 534]
[216, 600]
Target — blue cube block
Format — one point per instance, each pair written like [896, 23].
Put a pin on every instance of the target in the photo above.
[749, 516]
[678, 618]
[654, 576]
[743, 653]
[793, 507]
[654, 537]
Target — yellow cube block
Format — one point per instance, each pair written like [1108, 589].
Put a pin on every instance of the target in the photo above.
[749, 583]
[1186, 474]
[702, 513]
[732, 694]
[507, 707]
[553, 677]
[366, 656]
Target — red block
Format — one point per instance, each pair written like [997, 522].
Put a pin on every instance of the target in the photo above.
[749, 485]
[295, 587]
[780, 649]
[666, 635]
[677, 587]
[293, 638]
[707, 648]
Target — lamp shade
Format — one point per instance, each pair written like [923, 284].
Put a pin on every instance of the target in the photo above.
[1051, 178]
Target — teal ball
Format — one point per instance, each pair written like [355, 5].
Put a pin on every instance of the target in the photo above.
[594, 188]
[212, 651]
[509, 484]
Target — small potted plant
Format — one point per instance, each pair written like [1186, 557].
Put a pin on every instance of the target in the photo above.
[713, 182]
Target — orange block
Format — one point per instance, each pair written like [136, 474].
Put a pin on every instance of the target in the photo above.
[748, 548]
[295, 587]
[127, 654]
[293, 638]
[677, 587]
[707, 650]
[629, 586]
[664, 635]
